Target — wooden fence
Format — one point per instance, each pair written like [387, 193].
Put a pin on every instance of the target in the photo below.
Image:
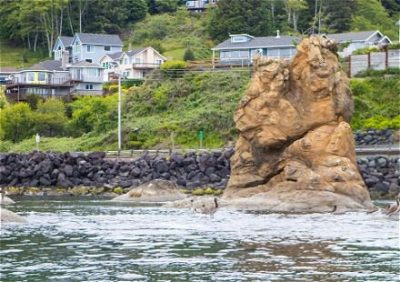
[355, 64]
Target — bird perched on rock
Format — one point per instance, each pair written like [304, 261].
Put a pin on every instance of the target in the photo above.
[207, 207]
[393, 209]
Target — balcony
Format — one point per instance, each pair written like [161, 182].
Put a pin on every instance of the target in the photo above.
[146, 66]
[23, 81]
[87, 78]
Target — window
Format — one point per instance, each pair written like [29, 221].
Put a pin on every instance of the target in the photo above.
[42, 76]
[125, 61]
[273, 52]
[107, 48]
[89, 60]
[31, 76]
[92, 72]
[158, 62]
[286, 52]
[89, 86]
[137, 60]
[89, 48]
[237, 39]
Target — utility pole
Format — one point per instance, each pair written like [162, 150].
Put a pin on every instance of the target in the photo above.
[119, 113]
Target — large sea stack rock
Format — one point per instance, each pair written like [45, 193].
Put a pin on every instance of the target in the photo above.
[295, 150]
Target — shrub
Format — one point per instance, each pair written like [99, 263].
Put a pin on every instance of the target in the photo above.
[174, 65]
[188, 55]
[366, 50]
[16, 122]
[49, 118]
[173, 69]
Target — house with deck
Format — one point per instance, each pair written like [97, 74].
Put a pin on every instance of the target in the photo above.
[46, 79]
[239, 49]
[132, 64]
[86, 78]
[53, 79]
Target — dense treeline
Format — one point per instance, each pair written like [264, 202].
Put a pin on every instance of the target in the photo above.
[36, 24]
[264, 17]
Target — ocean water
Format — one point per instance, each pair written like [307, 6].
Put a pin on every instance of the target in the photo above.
[92, 240]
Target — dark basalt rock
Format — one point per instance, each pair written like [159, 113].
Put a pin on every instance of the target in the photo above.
[37, 169]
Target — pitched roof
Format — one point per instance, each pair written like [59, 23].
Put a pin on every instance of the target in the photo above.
[115, 55]
[352, 36]
[49, 65]
[258, 42]
[99, 39]
[66, 40]
[8, 69]
[85, 64]
[134, 52]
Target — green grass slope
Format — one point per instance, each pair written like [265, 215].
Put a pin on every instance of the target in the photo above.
[12, 56]
[172, 33]
[159, 114]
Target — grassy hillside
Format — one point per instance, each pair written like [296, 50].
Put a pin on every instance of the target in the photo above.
[197, 101]
[172, 33]
[12, 56]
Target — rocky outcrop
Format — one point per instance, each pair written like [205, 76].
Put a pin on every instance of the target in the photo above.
[7, 216]
[153, 191]
[295, 150]
[6, 201]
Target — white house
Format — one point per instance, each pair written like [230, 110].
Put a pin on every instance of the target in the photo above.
[87, 78]
[134, 64]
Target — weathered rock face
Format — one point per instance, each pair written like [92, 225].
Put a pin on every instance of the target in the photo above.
[154, 191]
[295, 150]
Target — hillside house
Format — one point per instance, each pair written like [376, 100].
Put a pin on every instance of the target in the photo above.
[239, 49]
[199, 5]
[52, 79]
[47, 79]
[353, 41]
[132, 64]
[88, 47]
[86, 78]
[92, 47]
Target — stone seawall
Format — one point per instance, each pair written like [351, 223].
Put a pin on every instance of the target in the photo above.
[191, 171]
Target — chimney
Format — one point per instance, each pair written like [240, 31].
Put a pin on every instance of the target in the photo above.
[277, 34]
[64, 59]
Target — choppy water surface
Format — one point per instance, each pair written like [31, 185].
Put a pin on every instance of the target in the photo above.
[101, 241]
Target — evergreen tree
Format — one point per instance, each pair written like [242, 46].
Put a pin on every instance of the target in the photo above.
[188, 55]
[339, 13]
[237, 16]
